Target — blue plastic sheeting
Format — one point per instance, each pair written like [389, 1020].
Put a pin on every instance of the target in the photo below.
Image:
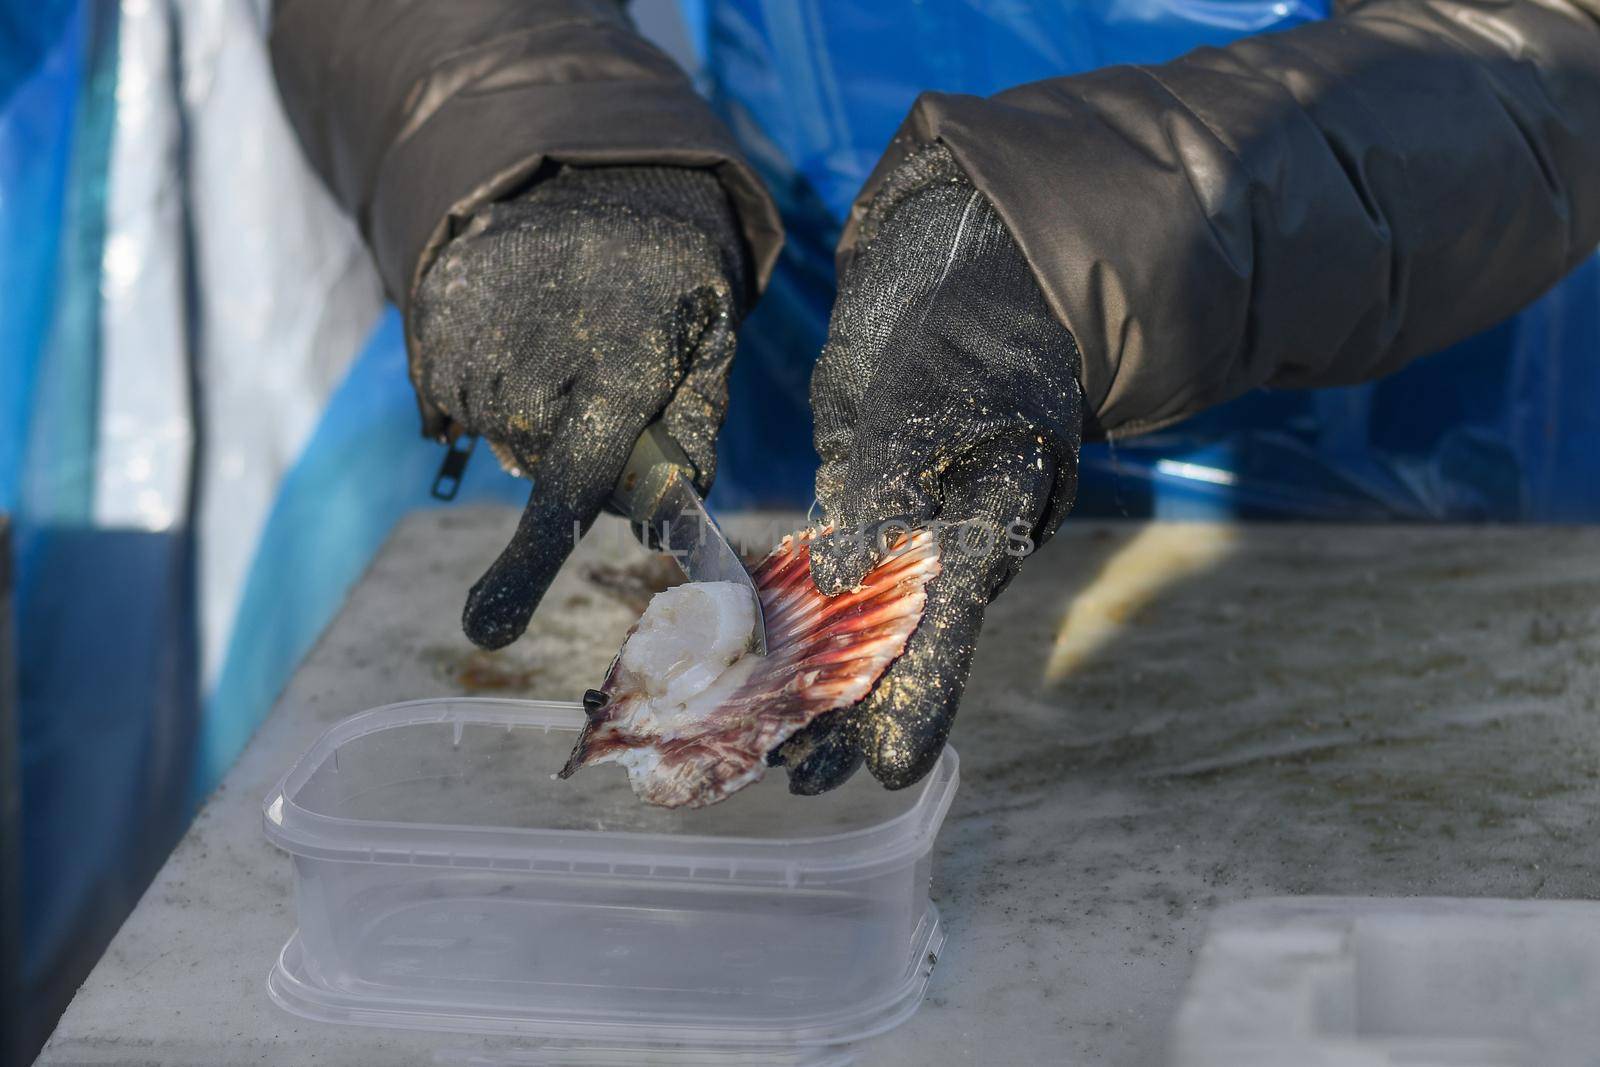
[365, 467]
[107, 673]
[105, 655]
[40, 61]
[1502, 426]
[29, 32]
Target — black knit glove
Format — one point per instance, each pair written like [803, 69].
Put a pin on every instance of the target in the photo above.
[557, 326]
[947, 393]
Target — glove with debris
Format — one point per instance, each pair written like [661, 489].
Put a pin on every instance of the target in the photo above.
[948, 394]
[558, 325]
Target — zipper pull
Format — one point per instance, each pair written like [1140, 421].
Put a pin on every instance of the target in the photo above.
[448, 481]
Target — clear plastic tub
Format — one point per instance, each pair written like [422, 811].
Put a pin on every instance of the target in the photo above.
[444, 880]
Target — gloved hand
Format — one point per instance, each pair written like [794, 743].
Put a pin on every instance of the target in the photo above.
[946, 393]
[557, 326]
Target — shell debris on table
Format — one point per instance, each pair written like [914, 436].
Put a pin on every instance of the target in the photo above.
[692, 714]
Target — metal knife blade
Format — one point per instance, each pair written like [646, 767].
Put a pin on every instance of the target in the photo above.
[657, 490]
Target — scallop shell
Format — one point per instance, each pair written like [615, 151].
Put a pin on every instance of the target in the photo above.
[823, 653]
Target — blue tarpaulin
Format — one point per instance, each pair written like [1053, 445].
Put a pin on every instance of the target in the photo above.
[40, 64]
[1502, 426]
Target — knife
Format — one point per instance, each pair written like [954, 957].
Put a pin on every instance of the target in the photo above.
[657, 490]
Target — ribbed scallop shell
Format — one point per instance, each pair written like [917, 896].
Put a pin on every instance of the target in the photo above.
[823, 653]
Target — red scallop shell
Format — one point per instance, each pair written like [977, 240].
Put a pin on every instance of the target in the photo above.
[823, 653]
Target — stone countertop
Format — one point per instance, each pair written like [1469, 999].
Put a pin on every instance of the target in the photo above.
[1161, 718]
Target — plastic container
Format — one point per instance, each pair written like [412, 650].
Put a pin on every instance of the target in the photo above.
[1394, 982]
[445, 880]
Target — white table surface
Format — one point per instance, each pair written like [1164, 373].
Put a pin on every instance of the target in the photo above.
[1162, 718]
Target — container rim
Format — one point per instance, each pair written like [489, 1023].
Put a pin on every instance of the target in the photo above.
[852, 853]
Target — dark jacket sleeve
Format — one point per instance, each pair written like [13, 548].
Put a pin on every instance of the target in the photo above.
[417, 112]
[1304, 208]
